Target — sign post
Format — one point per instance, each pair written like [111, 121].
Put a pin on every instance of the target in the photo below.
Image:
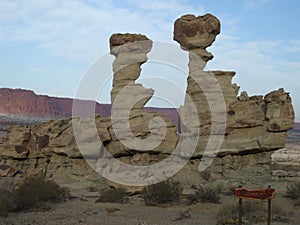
[262, 194]
[269, 210]
[240, 209]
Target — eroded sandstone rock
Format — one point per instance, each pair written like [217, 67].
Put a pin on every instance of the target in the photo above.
[129, 122]
[255, 125]
[286, 162]
[130, 51]
[196, 32]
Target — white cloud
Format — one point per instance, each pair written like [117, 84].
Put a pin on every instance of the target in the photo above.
[81, 29]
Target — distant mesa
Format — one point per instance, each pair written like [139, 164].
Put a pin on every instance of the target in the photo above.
[27, 103]
[21, 102]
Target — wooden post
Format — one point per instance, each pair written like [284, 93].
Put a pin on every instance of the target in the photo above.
[269, 210]
[240, 208]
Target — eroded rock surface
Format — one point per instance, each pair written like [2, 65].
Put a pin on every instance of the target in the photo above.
[196, 32]
[129, 122]
[254, 126]
[286, 162]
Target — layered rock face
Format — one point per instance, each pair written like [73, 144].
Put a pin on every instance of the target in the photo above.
[286, 162]
[253, 124]
[130, 51]
[48, 149]
[250, 128]
[129, 122]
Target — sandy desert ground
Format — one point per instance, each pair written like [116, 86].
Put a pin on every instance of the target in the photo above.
[79, 211]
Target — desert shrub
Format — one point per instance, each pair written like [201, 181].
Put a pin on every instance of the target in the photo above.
[227, 215]
[297, 203]
[166, 192]
[293, 191]
[205, 175]
[37, 190]
[94, 188]
[205, 195]
[6, 202]
[115, 195]
[253, 212]
[229, 191]
[32, 192]
[281, 215]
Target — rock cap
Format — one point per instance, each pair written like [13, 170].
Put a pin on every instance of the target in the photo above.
[140, 43]
[196, 32]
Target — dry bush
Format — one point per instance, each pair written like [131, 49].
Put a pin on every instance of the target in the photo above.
[281, 215]
[115, 195]
[293, 191]
[229, 191]
[34, 191]
[253, 212]
[228, 215]
[6, 202]
[207, 194]
[205, 175]
[297, 203]
[166, 192]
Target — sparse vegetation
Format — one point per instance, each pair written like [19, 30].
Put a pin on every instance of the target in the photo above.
[32, 192]
[253, 212]
[36, 190]
[205, 194]
[229, 191]
[166, 192]
[293, 191]
[6, 202]
[281, 215]
[297, 203]
[115, 195]
[205, 175]
[228, 215]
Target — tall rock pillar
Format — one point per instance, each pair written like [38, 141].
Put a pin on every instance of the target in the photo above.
[130, 51]
[195, 34]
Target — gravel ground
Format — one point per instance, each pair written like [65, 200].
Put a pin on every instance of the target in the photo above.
[133, 213]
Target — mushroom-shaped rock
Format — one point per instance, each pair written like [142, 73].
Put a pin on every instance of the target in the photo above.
[140, 43]
[196, 32]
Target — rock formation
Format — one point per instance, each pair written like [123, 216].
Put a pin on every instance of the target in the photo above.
[130, 51]
[254, 126]
[286, 162]
[129, 122]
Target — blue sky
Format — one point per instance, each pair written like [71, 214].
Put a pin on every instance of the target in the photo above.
[47, 46]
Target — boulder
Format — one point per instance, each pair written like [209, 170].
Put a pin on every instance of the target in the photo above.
[196, 32]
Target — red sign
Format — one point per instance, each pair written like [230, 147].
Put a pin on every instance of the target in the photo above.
[262, 194]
